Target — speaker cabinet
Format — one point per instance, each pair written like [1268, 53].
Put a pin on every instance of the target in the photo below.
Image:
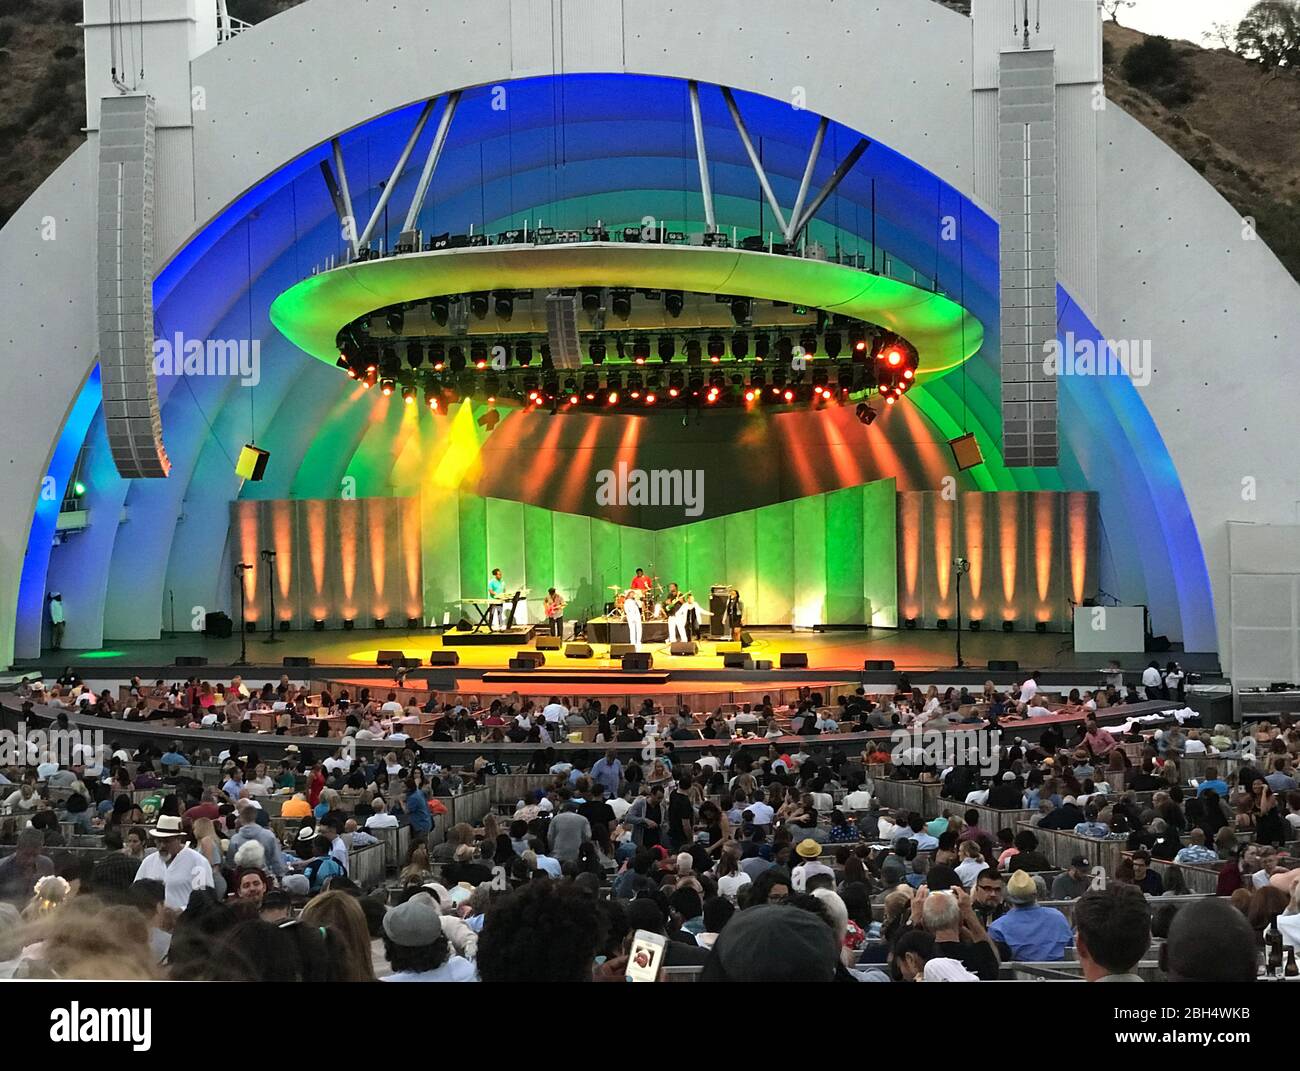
[298, 662]
[638, 661]
[444, 658]
[523, 663]
[578, 650]
[794, 660]
[879, 665]
[688, 648]
[996, 666]
[619, 650]
[746, 639]
[191, 660]
[763, 664]
[536, 657]
[737, 660]
[549, 643]
[218, 624]
[389, 658]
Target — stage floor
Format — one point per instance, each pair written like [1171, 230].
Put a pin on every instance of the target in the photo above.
[834, 651]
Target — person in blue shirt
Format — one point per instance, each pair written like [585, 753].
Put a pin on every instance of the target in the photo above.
[1030, 932]
[608, 771]
[1212, 780]
[417, 811]
[174, 757]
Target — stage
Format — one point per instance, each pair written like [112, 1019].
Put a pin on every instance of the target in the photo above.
[833, 655]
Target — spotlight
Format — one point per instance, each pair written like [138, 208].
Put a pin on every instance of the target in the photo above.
[1009, 625]
[693, 351]
[717, 347]
[844, 377]
[741, 310]
[975, 624]
[620, 303]
[456, 359]
[440, 310]
[478, 304]
[431, 400]
[909, 623]
[596, 349]
[942, 624]
[740, 345]
[414, 622]
[809, 343]
[478, 354]
[504, 304]
[640, 349]
[380, 623]
[865, 413]
[414, 354]
[762, 347]
[394, 320]
[667, 348]
[348, 624]
[591, 300]
[1040, 627]
[408, 395]
[386, 387]
[390, 364]
[673, 301]
[523, 352]
[79, 488]
[284, 624]
[319, 624]
[833, 343]
[784, 348]
[437, 355]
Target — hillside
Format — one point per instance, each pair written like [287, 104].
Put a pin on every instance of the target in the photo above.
[1238, 129]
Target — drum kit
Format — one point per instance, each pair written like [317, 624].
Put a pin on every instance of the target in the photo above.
[654, 596]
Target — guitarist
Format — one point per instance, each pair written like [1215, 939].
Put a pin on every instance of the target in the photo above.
[674, 610]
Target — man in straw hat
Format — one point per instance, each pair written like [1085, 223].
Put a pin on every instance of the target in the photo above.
[1029, 931]
[178, 866]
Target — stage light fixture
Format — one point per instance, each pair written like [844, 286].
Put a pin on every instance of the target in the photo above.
[387, 387]
[620, 303]
[809, 343]
[693, 351]
[784, 348]
[909, 623]
[866, 414]
[380, 623]
[789, 395]
[833, 343]
[640, 349]
[431, 400]
[348, 624]
[319, 624]
[1040, 627]
[342, 363]
[437, 356]
[667, 348]
[408, 395]
[717, 347]
[741, 310]
[523, 352]
[414, 354]
[478, 304]
[762, 347]
[1009, 625]
[673, 302]
[478, 354]
[390, 364]
[740, 345]
[440, 309]
[504, 303]
[591, 300]
[844, 378]
[975, 624]
[414, 622]
[596, 349]
[942, 624]
[456, 359]
[395, 321]
[590, 384]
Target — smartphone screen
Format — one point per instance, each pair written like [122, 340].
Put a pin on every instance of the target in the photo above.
[646, 956]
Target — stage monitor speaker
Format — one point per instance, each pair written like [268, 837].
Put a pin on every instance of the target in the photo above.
[638, 661]
[794, 660]
[746, 640]
[1158, 643]
[218, 624]
[251, 464]
[578, 650]
[688, 648]
[996, 666]
[191, 660]
[408, 663]
[966, 451]
[298, 662]
[737, 660]
[389, 658]
[444, 658]
[763, 664]
[727, 647]
[463, 625]
[878, 665]
[549, 643]
[535, 657]
[618, 650]
[523, 663]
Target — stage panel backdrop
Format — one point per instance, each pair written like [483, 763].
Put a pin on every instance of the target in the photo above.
[1031, 554]
[828, 558]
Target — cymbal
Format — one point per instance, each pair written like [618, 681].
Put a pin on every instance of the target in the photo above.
[615, 587]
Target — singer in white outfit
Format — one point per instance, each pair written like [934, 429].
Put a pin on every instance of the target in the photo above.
[675, 608]
[632, 608]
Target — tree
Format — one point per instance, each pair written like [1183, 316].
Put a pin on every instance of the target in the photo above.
[1113, 7]
[1270, 34]
[1223, 34]
[1154, 66]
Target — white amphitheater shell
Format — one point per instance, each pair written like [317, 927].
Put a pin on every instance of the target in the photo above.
[1146, 248]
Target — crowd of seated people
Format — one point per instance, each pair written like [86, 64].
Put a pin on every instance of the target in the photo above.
[751, 862]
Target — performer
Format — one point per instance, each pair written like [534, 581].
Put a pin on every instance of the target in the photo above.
[553, 607]
[735, 614]
[675, 609]
[691, 616]
[632, 607]
[496, 589]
